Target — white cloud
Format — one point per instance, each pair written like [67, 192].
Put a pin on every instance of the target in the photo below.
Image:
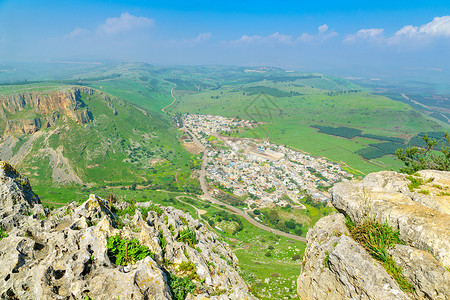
[270, 39]
[78, 32]
[202, 37]
[126, 22]
[374, 34]
[322, 35]
[323, 28]
[439, 27]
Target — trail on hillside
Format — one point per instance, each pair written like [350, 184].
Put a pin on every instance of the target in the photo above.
[172, 93]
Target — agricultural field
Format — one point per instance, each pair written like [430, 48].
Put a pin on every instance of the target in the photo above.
[290, 112]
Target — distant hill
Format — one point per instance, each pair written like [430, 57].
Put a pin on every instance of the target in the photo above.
[63, 135]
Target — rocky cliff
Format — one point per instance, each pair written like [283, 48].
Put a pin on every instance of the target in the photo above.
[69, 253]
[338, 263]
[26, 113]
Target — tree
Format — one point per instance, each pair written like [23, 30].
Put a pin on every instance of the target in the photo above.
[291, 224]
[416, 158]
[298, 231]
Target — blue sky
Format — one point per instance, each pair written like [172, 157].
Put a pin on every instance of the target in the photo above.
[304, 35]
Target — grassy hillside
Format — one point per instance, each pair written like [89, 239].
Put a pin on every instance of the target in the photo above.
[122, 146]
[289, 108]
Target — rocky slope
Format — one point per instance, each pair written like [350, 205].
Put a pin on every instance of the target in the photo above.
[42, 109]
[63, 135]
[335, 266]
[64, 254]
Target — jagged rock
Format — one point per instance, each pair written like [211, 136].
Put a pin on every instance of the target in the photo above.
[430, 279]
[386, 196]
[14, 188]
[64, 254]
[337, 267]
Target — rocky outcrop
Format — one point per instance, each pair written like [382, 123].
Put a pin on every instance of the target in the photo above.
[420, 215]
[45, 109]
[337, 267]
[63, 254]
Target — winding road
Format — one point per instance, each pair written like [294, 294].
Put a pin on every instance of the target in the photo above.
[232, 209]
[172, 92]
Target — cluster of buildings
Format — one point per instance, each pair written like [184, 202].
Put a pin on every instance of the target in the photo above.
[266, 173]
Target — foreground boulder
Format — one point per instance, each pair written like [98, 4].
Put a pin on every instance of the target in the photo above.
[335, 266]
[63, 254]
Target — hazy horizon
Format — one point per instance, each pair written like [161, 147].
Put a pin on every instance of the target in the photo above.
[349, 38]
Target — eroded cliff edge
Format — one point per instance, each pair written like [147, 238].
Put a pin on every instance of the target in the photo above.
[33, 110]
[63, 254]
[336, 266]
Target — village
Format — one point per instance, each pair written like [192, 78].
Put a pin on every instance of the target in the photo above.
[265, 172]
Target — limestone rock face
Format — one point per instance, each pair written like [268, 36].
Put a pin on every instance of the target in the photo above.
[337, 267]
[14, 188]
[421, 268]
[63, 254]
[422, 218]
[47, 106]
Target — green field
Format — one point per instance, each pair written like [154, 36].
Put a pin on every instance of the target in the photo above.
[288, 119]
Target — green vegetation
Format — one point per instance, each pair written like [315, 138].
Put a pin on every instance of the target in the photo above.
[123, 251]
[349, 118]
[180, 286]
[228, 222]
[187, 236]
[416, 182]
[3, 234]
[418, 158]
[377, 238]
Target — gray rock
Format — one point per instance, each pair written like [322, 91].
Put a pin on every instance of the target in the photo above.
[64, 255]
[430, 279]
[337, 267]
[383, 196]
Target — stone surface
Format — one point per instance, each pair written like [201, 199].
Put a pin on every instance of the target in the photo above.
[431, 279]
[421, 219]
[337, 267]
[62, 254]
[49, 106]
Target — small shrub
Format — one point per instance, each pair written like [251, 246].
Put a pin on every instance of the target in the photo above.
[425, 192]
[326, 259]
[296, 257]
[415, 182]
[3, 234]
[183, 220]
[268, 254]
[298, 231]
[187, 236]
[188, 266]
[162, 240]
[125, 251]
[377, 238]
[180, 286]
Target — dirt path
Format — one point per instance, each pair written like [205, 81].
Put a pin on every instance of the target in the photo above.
[413, 101]
[172, 93]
